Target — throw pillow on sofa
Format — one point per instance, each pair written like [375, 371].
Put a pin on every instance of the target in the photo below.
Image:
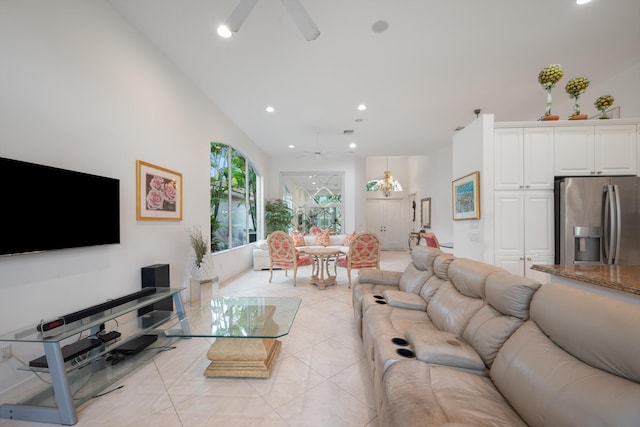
[323, 239]
[298, 238]
[348, 237]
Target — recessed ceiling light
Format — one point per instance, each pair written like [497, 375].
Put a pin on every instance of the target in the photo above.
[270, 109]
[362, 107]
[359, 120]
[582, 1]
[352, 145]
[292, 146]
[380, 26]
[224, 31]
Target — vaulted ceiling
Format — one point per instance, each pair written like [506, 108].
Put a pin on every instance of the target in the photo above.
[421, 67]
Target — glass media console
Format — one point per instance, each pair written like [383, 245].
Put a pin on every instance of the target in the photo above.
[69, 374]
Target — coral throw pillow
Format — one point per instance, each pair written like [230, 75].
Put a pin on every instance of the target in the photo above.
[323, 239]
[298, 238]
[315, 230]
[348, 237]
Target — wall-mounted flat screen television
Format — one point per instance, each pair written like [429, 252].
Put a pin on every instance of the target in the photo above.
[50, 208]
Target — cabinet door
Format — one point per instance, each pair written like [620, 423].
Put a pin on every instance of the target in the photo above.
[616, 150]
[535, 274]
[509, 232]
[508, 166]
[538, 158]
[574, 151]
[538, 223]
[513, 264]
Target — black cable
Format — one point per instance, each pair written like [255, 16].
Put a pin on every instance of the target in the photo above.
[107, 392]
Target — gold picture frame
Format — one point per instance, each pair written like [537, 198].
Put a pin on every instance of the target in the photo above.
[425, 212]
[158, 193]
[466, 197]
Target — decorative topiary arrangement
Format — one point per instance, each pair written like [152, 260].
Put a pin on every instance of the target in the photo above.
[548, 77]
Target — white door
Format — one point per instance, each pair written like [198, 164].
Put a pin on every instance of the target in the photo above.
[385, 218]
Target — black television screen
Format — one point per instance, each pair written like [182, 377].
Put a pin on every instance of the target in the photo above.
[50, 208]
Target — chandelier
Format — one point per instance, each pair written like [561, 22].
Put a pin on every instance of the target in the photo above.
[386, 184]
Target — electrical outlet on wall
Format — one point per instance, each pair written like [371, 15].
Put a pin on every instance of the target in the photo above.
[5, 351]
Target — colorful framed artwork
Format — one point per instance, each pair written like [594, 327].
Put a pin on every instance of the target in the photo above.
[466, 197]
[425, 214]
[158, 192]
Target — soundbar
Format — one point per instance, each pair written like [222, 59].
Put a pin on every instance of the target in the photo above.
[90, 311]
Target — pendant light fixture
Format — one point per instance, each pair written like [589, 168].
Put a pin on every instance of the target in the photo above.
[386, 183]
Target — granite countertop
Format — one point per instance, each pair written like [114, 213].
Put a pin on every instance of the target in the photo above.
[625, 278]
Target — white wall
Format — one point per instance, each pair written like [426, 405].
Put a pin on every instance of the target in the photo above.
[472, 151]
[624, 86]
[431, 177]
[82, 90]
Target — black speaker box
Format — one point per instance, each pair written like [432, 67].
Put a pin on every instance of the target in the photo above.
[156, 276]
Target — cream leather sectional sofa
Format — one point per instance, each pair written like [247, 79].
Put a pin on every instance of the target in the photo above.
[261, 249]
[456, 342]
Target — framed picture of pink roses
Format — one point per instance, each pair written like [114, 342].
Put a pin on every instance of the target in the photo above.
[159, 193]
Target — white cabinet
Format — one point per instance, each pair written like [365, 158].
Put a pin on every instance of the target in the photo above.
[385, 218]
[523, 158]
[524, 231]
[595, 150]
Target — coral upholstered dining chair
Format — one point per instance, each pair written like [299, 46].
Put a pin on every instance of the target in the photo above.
[431, 240]
[364, 252]
[283, 254]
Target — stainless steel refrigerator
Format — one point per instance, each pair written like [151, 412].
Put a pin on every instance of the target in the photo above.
[597, 220]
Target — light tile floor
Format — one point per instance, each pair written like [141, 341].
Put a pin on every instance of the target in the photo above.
[319, 378]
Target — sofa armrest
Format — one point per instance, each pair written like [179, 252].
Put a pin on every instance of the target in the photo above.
[444, 348]
[406, 300]
[379, 277]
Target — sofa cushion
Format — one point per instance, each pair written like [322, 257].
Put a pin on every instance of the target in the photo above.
[487, 331]
[412, 279]
[549, 387]
[422, 257]
[379, 277]
[469, 276]
[430, 287]
[451, 311]
[404, 300]
[601, 331]
[441, 265]
[262, 244]
[417, 394]
[444, 348]
[510, 294]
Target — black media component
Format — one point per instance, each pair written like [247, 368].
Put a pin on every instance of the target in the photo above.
[49, 206]
[156, 276]
[69, 352]
[135, 345]
[109, 336]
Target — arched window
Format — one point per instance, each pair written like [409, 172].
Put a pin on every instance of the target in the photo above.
[233, 198]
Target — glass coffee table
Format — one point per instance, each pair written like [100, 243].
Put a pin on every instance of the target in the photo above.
[245, 329]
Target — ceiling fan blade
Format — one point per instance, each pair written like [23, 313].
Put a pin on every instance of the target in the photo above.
[302, 19]
[239, 14]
